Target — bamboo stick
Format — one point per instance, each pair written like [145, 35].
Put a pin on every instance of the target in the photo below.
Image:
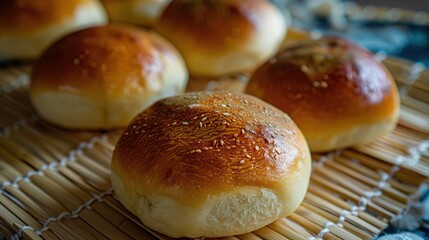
[267, 233]
[336, 187]
[249, 236]
[295, 227]
[314, 188]
[135, 231]
[285, 231]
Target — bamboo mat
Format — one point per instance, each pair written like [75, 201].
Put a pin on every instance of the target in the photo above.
[55, 184]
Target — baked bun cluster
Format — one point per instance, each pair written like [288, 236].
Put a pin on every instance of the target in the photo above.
[337, 92]
[101, 77]
[28, 27]
[211, 164]
[219, 37]
[140, 12]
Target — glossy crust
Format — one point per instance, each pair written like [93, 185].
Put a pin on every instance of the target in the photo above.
[209, 145]
[140, 12]
[330, 87]
[223, 36]
[27, 27]
[112, 72]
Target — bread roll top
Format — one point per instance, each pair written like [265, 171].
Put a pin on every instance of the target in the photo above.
[111, 60]
[201, 144]
[327, 85]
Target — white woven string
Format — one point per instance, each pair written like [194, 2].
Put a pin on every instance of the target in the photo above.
[21, 81]
[71, 214]
[413, 157]
[18, 125]
[410, 76]
[54, 166]
[324, 159]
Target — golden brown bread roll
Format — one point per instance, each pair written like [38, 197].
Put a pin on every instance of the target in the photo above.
[28, 27]
[211, 164]
[218, 37]
[140, 12]
[334, 90]
[102, 77]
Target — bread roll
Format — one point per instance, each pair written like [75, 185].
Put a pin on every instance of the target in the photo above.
[334, 90]
[28, 27]
[140, 12]
[101, 77]
[210, 164]
[224, 36]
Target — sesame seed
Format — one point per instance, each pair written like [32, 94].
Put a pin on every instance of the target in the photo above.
[257, 148]
[201, 124]
[226, 114]
[198, 150]
[248, 156]
[194, 105]
[185, 123]
[223, 105]
[316, 84]
[243, 131]
[222, 142]
[203, 119]
[323, 84]
[241, 161]
[245, 101]
[304, 68]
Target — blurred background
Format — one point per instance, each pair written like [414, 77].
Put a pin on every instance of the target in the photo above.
[394, 27]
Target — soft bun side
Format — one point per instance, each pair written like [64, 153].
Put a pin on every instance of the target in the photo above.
[28, 27]
[101, 77]
[335, 91]
[223, 37]
[211, 164]
[139, 12]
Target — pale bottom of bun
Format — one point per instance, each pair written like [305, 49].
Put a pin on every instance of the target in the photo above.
[235, 212]
[30, 45]
[349, 137]
[79, 112]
